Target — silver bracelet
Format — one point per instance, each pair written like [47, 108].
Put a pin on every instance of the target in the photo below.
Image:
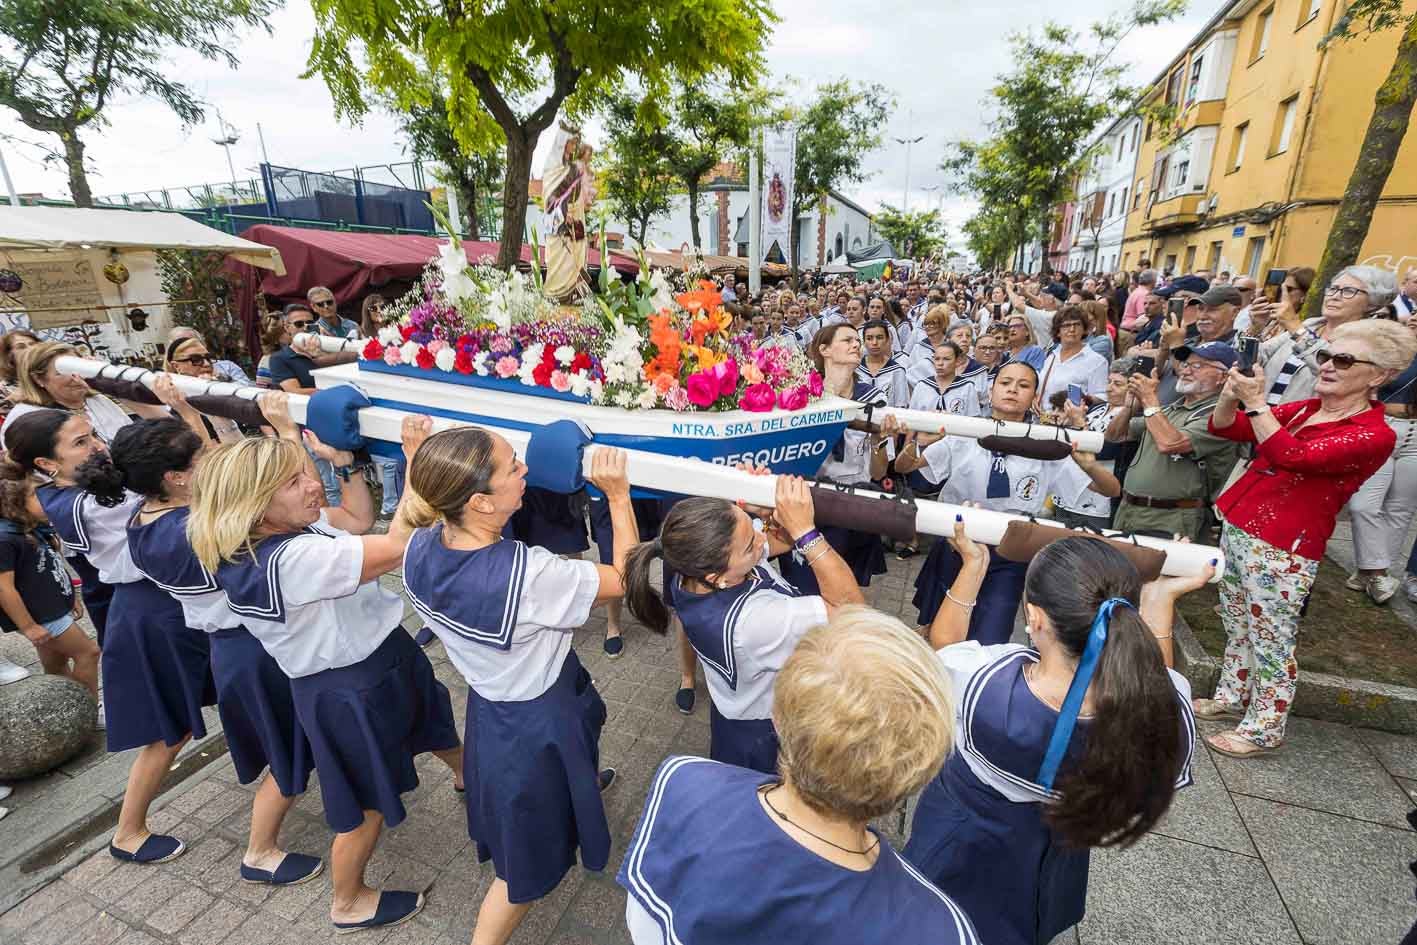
[958, 601]
[820, 555]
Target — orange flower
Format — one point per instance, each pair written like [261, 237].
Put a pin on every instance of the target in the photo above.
[706, 357]
[663, 382]
[705, 298]
[751, 374]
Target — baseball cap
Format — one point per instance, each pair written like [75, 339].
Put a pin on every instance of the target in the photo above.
[1217, 351]
[1184, 284]
[1222, 295]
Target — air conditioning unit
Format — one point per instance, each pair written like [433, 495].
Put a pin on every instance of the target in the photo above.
[1214, 202]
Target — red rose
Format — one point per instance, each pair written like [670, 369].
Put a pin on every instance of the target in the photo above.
[406, 331]
[541, 374]
[424, 359]
[373, 351]
[462, 363]
[581, 362]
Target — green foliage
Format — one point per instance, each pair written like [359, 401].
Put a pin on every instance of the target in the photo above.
[990, 237]
[1367, 16]
[637, 178]
[513, 66]
[203, 290]
[922, 230]
[63, 61]
[1064, 85]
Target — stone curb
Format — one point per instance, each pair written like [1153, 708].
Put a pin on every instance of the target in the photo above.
[1320, 696]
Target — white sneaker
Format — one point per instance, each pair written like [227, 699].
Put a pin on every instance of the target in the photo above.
[102, 722]
[1409, 585]
[1356, 582]
[1382, 588]
[11, 672]
[5, 791]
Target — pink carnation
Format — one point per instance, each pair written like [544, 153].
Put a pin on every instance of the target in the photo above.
[560, 381]
[726, 375]
[436, 345]
[507, 367]
[751, 374]
[392, 355]
[676, 398]
[794, 399]
[702, 388]
[814, 384]
[758, 398]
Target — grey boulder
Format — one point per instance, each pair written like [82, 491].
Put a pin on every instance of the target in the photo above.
[44, 721]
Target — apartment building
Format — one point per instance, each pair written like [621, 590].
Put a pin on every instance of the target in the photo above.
[1265, 131]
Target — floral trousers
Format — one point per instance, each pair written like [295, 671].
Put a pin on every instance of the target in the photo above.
[1261, 595]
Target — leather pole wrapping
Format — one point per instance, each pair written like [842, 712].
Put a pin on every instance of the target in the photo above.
[878, 515]
[239, 409]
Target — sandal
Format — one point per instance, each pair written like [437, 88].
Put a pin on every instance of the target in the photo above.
[1211, 709]
[1230, 739]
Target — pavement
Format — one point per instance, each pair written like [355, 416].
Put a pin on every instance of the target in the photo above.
[1308, 846]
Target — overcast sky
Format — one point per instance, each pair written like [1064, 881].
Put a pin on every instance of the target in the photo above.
[938, 58]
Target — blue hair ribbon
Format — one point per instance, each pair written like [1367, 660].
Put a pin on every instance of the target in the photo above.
[1072, 703]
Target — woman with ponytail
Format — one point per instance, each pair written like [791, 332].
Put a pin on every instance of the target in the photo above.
[156, 672]
[1078, 741]
[505, 612]
[308, 590]
[158, 459]
[742, 619]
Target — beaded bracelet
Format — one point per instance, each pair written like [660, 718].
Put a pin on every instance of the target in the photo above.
[803, 543]
[803, 549]
[958, 601]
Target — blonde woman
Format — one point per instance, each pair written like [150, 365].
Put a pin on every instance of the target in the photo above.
[306, 585]
[39, 385]
[725, 854]
[187, 355]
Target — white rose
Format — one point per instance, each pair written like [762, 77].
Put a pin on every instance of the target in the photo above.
[390, 335]
[445, 358]
[480, 363]
[532, 353]
[565, 354]
[409, 352]
[647, 399]
[580, 384]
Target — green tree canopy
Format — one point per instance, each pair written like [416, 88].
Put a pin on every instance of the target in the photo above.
[62, 62]
[917, 233]
[513, 66]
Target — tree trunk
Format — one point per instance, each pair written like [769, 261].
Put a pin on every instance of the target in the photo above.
[693, 188]
[520, 145]
[74, 159]
[467, 195]
[1392, 111]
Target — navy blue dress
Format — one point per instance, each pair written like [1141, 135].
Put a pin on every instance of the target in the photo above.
[978, 831]
[253, 695]
[98, 595]
[156, 670]
[504, 614]
[552, 520]
[709, 866]
[366, 720]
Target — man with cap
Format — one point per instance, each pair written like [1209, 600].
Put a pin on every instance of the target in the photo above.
[1207, 317]
[1179, 466]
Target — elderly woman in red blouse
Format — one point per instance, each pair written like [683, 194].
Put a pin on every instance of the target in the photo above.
[1310, 456]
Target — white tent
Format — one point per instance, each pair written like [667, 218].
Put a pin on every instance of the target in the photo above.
[72, 228]
[838, 268]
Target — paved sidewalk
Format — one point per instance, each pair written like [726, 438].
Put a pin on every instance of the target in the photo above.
[1310, 846]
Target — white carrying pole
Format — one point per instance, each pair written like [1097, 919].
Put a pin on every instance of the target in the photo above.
[921, 421]
[656, 471]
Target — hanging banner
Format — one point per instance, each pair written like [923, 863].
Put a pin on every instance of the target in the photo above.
[55, 291]
[779, 159]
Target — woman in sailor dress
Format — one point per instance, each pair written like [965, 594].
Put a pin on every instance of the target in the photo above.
[725, 856]
[156, 671]
[881, 368]
[857, 460]
[1040, 776]
[919, 357]
[308, 591]
[505, 612]
[967, 472]
[158, 459]
[1090, 508]
[742, 619]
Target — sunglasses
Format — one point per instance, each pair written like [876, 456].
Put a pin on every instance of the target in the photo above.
[323, 303]
[300, 324]
[1341, 361]
[193, 359]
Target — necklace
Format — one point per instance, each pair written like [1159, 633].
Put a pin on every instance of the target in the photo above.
[767, 799]
[146, 510]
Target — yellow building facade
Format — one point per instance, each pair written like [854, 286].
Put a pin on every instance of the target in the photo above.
[1267, 131]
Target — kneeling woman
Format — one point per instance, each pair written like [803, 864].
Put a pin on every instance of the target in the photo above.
[157, 459]
[1006, 826]
[742, 619]
[309, 592]
[967, 472]
[156, 671]
[723, 855]
[505, 612]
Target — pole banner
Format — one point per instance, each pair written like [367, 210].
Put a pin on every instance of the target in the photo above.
[779, 156]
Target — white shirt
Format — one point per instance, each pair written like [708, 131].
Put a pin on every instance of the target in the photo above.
[331, 620]
[105, 415]
[961, 466]
[890, 380]
[1089, 501]
[961, 397]
[1086, 368]
[106, 531]
[555, 600]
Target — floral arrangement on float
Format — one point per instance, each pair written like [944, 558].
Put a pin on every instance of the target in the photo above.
[637, 345]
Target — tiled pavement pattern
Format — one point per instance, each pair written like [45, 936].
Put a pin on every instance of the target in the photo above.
[1309, 846]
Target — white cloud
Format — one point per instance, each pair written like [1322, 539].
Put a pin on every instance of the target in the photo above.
[939, 59]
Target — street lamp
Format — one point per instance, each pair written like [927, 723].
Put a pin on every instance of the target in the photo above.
[229, 136]
[905, 198]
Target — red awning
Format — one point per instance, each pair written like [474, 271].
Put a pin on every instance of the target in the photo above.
[351, 265]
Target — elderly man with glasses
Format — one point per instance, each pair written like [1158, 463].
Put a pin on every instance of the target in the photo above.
[330, 322]
[1179, 466]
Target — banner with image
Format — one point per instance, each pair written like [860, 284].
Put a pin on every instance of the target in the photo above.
[779, 158]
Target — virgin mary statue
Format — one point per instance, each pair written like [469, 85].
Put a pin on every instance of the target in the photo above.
[567, 189]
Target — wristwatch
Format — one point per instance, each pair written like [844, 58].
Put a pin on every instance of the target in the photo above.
[1256, 412]
[1150, 411]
